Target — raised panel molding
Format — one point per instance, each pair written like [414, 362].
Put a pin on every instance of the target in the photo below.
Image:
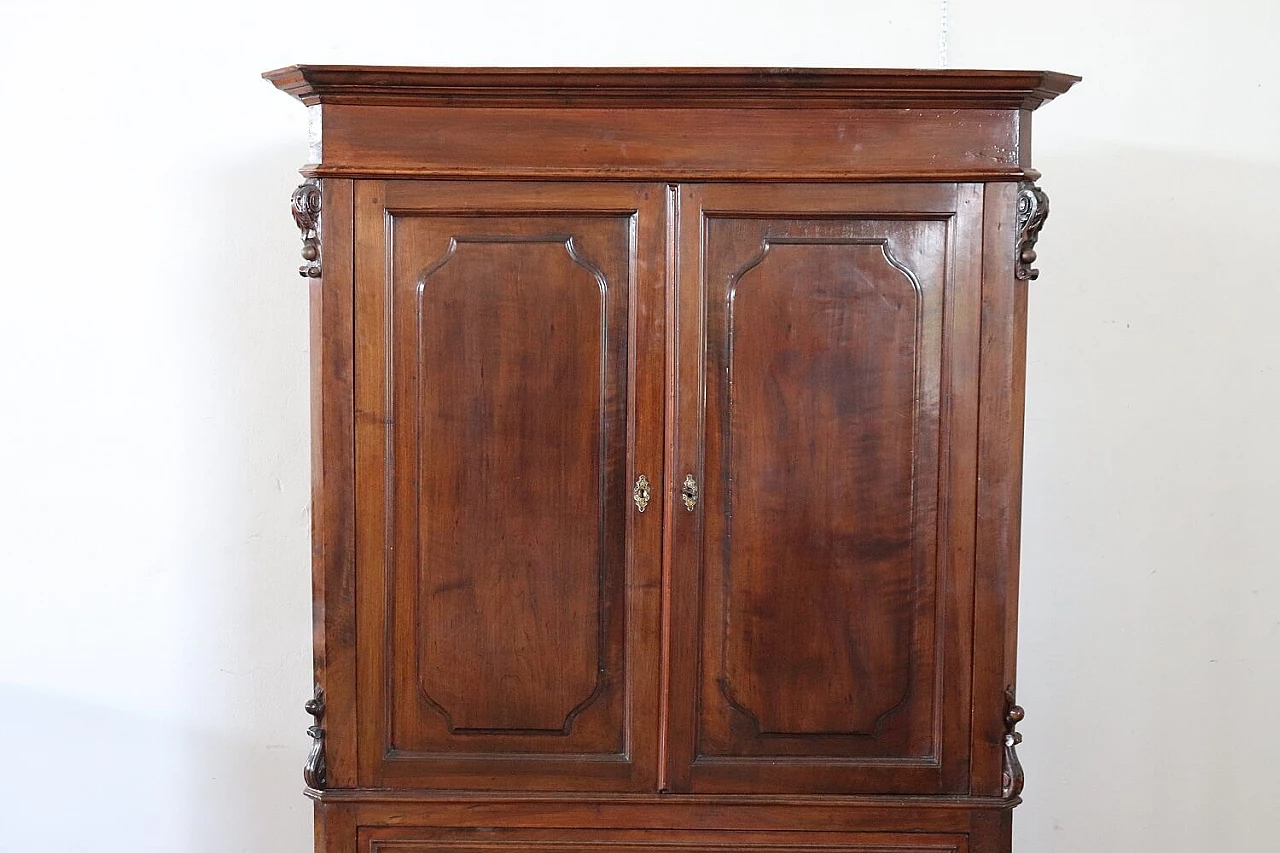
[876, 242]
[864, 721]
[564, 240]
[503, 713]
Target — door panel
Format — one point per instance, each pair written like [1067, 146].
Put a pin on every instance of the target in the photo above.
[507, 392]
[507, 614]
[822, 336]
[825, 435]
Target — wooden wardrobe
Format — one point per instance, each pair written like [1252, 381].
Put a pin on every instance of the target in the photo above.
[667, 431]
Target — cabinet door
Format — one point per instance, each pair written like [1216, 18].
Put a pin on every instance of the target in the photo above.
[507, 361]
[827, 347]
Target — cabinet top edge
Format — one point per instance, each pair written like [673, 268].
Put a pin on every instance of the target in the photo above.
[670, 87]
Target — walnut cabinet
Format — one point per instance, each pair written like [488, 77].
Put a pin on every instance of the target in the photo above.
[667, 447]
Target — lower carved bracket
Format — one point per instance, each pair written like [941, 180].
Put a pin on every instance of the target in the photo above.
[1033, 210]
[1012, 779]
[314, 770]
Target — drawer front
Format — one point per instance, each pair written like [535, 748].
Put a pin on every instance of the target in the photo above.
[440, 840]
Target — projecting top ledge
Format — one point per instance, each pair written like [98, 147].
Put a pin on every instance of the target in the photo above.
[777, 88]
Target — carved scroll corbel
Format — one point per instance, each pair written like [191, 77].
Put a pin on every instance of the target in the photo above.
[314, 770]
[1011, 780]
[1033, 210]
[306, 213]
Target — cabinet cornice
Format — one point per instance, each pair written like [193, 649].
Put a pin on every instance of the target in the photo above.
[665, 88]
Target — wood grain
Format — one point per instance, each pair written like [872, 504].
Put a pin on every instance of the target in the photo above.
[999, 492]
[793, 288]
[333, 570]
[660, 88]
[503, 339]
[666, 124]
[513, 418]
[670, 144]
[414, 840]
[811, 581]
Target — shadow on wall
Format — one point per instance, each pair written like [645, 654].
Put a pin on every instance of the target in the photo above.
[124, 781]
[111, 769]
[185, 731]
[240, 779]
[1150, 495]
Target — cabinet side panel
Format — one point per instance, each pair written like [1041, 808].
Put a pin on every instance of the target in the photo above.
[1002, 384]
[332, 484]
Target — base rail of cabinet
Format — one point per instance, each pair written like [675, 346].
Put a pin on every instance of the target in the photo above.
[370, 795]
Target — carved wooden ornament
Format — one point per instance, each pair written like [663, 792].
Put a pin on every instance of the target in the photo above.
[306, 213]
[1033, 210]
[314, 770]
[1012, 781]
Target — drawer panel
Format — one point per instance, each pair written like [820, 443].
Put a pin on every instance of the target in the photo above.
[492, 840]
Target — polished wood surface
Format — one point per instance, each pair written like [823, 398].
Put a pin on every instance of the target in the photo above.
[822, 358]
[333, 483]
[794, 301]
[644, 840]
[672, 144]
[999, 493]
[498, 325]
[667, 124]
[639, 88]
[510, 468]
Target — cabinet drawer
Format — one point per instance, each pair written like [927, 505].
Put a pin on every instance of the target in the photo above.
[479, 840]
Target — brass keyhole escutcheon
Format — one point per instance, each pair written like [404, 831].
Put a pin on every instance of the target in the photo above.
[689, 492]
[641, 493]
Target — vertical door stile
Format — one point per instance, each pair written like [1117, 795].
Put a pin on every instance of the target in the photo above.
[670, 304]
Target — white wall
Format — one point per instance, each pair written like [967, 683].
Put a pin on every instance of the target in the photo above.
[154, 628]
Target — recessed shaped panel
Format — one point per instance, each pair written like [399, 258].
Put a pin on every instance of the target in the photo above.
[511, 382]
[509, 355]
[819, 593]
[821, 562]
